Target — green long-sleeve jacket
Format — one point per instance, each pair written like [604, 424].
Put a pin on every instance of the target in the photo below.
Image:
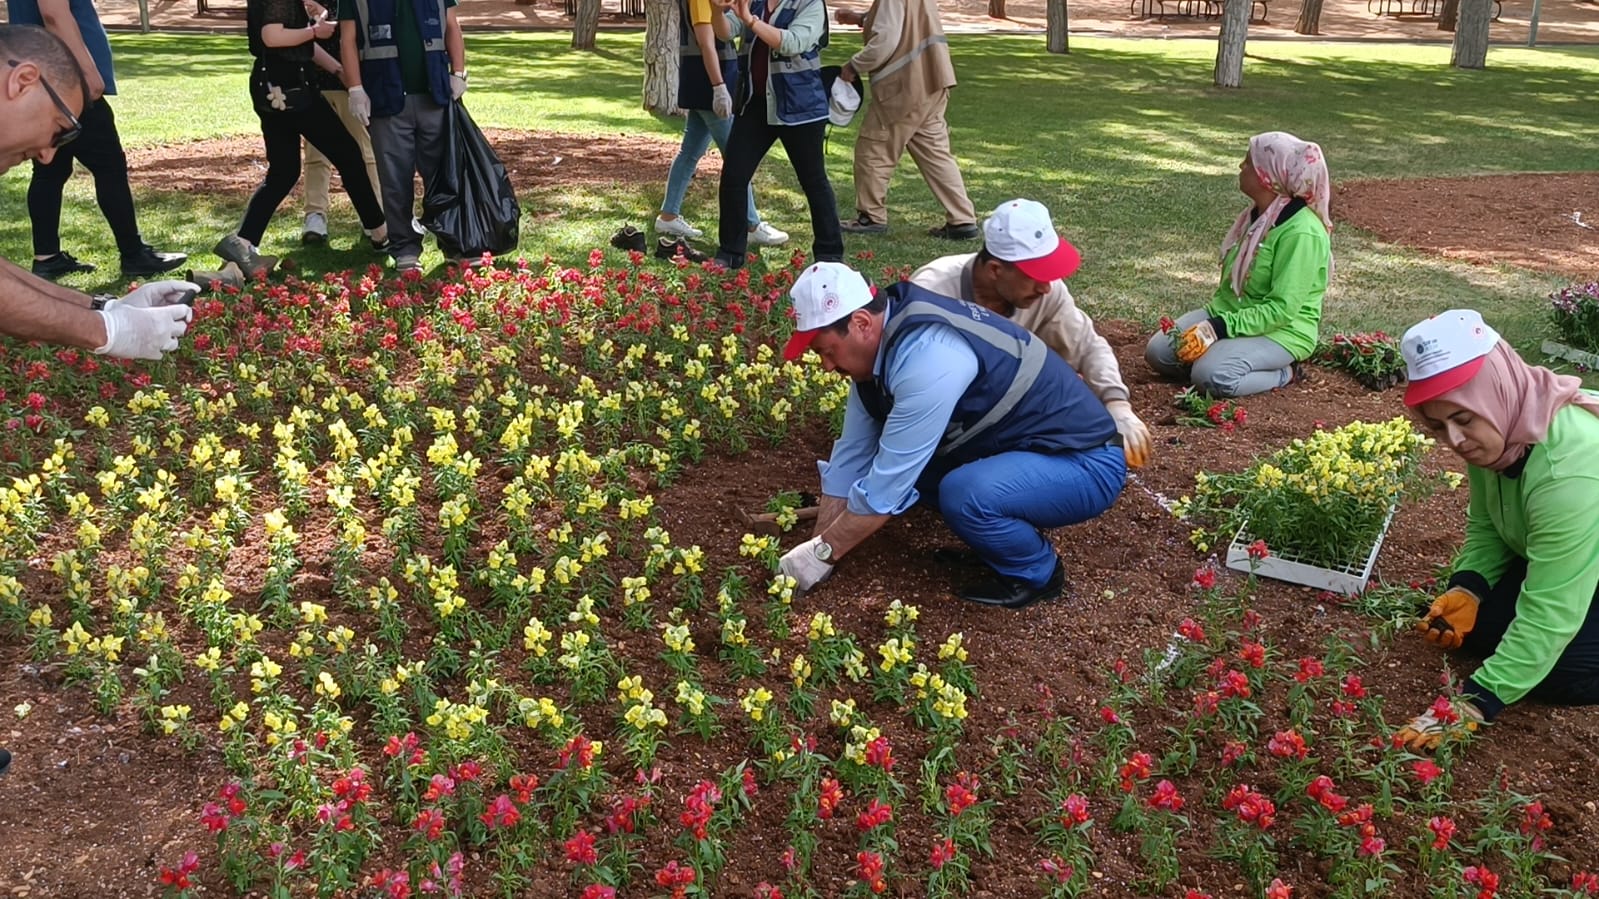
[1546, 515]
[1282, 295]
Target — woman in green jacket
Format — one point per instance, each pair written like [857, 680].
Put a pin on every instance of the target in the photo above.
[1264, 318]
[1524, 584]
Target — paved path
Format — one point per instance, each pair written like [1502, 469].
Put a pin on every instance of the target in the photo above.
[1562, 21]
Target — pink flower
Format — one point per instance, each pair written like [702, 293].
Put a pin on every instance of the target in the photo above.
[1287, 744]
[1279, 890]
[1443, 829]
[1073, 810]
[599, 891]
[1056, 868]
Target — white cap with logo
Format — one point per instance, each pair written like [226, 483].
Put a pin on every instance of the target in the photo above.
[1020, 232]
[1444, 352]
[824, 293]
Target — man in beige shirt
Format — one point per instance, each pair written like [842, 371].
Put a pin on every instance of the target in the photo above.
[906, 60]
[1020, 273]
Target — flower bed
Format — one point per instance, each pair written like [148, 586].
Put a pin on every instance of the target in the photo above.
[1574, 311]
[1321, 501]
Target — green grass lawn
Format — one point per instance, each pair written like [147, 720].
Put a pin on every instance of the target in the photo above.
[1125, 141]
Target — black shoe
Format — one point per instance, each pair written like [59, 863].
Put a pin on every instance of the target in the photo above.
[730, 262]
[628, 238]
[671, 248]
[63, 263]
[5, 761]
[958, 558]
[1299, 374]
[863, 224]
[1010, 593]
[148, 261]
[967, 231]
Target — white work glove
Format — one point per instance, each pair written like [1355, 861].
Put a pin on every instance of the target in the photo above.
[721, 101]
[1440, 723]
[457, 86]
[135, 333]
[1135, 434]
[801, 564]
[360, 105]
[158, 293]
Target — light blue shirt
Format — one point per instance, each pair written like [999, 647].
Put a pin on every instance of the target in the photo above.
[875, 464]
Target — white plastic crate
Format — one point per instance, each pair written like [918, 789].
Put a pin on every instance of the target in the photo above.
[1282, 565]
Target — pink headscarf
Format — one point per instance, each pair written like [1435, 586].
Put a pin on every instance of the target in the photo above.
[1293, 168]
[1518, 399]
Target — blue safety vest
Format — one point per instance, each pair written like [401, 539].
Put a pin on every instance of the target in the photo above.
[793, 83]
[380, 55]
[693, 85]
[1024, 398]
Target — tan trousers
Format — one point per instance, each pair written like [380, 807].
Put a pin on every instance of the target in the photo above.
[886, 133]
[319, 172]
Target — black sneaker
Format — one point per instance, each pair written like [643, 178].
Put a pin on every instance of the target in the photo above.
[149, 261]
[671, 248]
[62, 263]
[863, 224]
[967, 231]
[629, 238]
[730, 262]
[1009, 593]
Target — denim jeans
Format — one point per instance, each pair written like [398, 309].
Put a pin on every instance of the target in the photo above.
[699, 129]
[999, 505]
[1235, 366]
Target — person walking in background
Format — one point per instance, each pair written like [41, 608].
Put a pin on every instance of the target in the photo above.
[906, 59]
[283, 89]
[98, 147]
[318, 169]
[780, 98]
[706, 75]
[405, 63]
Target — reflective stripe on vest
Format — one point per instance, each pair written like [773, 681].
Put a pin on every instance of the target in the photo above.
[791, 65]
[390, 50]
[909, 58]
[1031, 354]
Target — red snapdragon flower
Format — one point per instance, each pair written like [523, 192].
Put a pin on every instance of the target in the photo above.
[580, 849]
[877, 814]
[1287, 744]
[1443, 829]
[943, 853]
[1166, 797]
[828, 797]
[1074, 810]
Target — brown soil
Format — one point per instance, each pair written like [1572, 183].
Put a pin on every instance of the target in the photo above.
[536, 160]
[91, 807]
[1543, 222]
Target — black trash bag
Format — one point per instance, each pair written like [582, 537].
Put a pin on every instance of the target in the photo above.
[468, 204]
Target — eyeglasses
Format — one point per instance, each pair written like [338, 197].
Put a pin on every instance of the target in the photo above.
[74, 127]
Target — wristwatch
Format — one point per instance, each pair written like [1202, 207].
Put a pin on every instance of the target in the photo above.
[99, 300]
[823, 551]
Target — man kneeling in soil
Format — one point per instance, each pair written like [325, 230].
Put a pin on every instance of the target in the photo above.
[1021, 274]
[957, 407]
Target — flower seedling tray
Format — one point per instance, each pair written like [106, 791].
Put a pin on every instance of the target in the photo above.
[1283, 565]
[1571, 354]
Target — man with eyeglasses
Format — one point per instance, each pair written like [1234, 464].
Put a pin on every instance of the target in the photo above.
[98, 147]
[42, 93]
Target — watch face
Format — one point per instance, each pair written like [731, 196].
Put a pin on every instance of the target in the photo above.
[823, 551]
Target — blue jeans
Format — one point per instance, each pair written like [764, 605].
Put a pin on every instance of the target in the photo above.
[999, 504]
[699, 129]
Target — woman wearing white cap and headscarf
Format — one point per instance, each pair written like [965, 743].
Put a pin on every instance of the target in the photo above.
[1524, 583]
[1265, 316]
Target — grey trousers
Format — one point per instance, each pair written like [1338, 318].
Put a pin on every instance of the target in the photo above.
[1236, 366]
[406, 144]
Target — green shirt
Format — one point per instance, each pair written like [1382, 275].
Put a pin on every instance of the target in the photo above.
[1282, 294]
[1545, 515]
[408, 38]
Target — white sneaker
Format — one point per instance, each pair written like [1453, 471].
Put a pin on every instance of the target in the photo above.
[678, 227]
[315, 230]
[764, 235]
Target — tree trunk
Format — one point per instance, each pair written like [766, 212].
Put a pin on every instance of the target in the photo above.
[1230, 43]
[1309, 18]
[661, 56]
[996, 9]
[1058, 20]
[586, 24]
[1471, 35]
[1448, 14]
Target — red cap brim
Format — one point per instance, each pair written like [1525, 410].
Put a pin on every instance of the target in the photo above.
[798, 343]
[1057, 265]
[1431, 388]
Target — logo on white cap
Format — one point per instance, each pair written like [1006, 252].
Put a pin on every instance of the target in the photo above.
[1020, 232]
[1444, 352]
[825, 293]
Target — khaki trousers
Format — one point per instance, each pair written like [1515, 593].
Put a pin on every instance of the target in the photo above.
[886, 133]
[319, 172]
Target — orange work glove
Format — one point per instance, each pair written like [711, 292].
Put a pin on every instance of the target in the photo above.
[1194, 342]
[1450, 618]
